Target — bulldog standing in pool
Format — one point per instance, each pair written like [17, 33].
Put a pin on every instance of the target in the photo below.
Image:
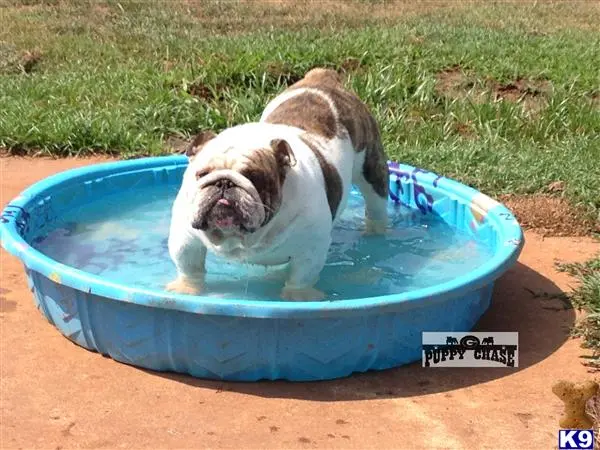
[270, 192]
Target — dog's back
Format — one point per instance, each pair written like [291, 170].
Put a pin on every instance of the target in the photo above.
[327, 112]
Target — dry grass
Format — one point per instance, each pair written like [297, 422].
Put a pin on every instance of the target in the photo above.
[225, 17]
[593, 409]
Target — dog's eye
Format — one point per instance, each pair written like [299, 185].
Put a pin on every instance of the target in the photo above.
[251, 175]
[201, 173]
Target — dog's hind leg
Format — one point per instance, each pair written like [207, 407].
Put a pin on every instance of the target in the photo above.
[371, 176]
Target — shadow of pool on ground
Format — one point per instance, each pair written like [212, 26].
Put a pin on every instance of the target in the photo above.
[523, 301]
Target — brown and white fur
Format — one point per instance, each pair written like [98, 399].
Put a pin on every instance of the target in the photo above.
[270, 192]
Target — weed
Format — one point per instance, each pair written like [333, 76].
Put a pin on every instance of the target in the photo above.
[587, 298]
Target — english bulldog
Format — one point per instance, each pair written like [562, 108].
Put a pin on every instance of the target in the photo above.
[270, 192]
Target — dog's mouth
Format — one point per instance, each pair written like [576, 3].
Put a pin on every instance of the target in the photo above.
[224, 216]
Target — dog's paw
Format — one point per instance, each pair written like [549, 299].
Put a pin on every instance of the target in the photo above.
[302, 295]
[375, 227]
[183, 285]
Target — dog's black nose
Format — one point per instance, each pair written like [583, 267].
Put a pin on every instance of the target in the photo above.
[224, 183]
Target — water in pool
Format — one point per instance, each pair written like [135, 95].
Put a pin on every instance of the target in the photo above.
[123, 238]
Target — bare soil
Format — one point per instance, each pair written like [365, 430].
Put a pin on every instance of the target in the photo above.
[56, 395]
[456, 82]
[550, 215]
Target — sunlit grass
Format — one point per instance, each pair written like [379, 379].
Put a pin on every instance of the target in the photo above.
[122, 77]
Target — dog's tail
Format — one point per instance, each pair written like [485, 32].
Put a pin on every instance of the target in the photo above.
[323, 75]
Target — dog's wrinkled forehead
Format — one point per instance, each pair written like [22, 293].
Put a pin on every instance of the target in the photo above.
[216, 152]
[243, 161]
[220, 158]
[210, 153]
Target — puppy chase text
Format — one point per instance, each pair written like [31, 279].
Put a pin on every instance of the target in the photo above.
[470, 349]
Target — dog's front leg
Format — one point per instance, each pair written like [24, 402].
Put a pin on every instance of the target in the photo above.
[305, 269]
[189, 257]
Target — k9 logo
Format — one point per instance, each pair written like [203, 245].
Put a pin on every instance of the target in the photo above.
[575, 439]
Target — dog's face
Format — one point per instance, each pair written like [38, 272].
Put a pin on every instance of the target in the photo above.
[234, 190]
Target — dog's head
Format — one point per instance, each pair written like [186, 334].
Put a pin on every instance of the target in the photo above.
[234, 188]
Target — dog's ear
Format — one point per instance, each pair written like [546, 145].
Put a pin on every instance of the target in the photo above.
[199, 141]
[283, 154]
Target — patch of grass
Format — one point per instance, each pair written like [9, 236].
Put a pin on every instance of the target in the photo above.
[587, 298]
[124, 77]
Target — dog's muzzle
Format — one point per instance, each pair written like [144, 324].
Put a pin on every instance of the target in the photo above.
[227, 202]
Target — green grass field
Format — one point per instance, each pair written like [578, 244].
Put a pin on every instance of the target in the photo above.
[504, 96]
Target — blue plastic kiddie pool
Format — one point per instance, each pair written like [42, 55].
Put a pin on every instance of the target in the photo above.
[93, 243]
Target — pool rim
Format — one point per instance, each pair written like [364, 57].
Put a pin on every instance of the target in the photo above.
[510, 237]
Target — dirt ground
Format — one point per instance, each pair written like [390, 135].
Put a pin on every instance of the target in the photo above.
[55, 395]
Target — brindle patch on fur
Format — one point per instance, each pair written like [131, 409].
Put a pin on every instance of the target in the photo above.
[266, 169]
[307, 111]
[360, 124]
[322, 77]
[333, 181]
[353, 114]
[375, 169]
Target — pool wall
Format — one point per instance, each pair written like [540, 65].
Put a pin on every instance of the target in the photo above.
[251, 340]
